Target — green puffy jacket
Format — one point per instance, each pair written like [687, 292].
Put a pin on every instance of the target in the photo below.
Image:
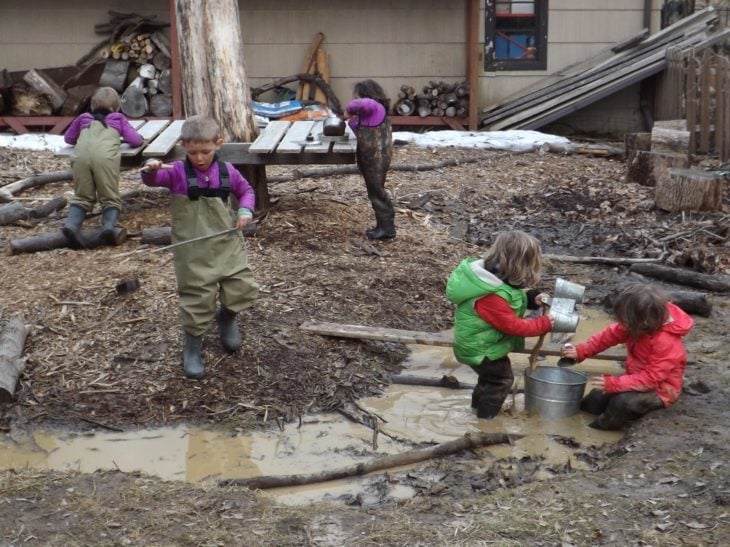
[474, 338]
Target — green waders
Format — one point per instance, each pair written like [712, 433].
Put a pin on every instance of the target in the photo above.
[208, 267]
[374, 152]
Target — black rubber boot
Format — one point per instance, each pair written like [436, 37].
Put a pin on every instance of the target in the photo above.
[495, 379]
[72, 229]
[385, 221]
[228, 330]
[192, 358]
[626, 407]
[109, 218]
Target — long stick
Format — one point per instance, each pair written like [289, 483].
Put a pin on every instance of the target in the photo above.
[179, 243]
[470, 440]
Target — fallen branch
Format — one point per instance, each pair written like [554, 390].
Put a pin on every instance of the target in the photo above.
[12, 341]
[717, 283]
[616, 261]
[445, 381]
[9, 190]
[56, 240]
[468, 441]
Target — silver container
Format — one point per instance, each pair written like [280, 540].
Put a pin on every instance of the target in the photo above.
[553, 392]
[571, 291]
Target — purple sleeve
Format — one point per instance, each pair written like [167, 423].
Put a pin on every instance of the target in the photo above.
[74, 130]
[241, 189]
[174, 179]
[369, 112]
[129, 134]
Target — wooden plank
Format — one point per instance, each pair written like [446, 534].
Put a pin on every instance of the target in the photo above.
[148, 132]
[720, 98]
[705, 102]
[310, 58]
[691, 103]
[318, 146]
[348, 146]
[295, 138]
[269, 137]
[725, 138]
[427, 338]
[166, 141]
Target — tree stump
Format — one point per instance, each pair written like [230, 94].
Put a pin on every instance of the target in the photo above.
[670, 137]
[635, 142]
[646, 166]
[12, 341]
[689, 190]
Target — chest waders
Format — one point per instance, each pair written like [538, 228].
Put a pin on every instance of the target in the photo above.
[213, 266]
[96, 164]
[373, 153]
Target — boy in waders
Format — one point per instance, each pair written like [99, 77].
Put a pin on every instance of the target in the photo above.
[200, 186]
[96, 163]
[367, 115]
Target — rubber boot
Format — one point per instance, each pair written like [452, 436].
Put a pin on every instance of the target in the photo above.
[624, 408]
[72, 228]
[385, 221]
[109, 218]
[496, 379]
[192, 358]
[228, 330]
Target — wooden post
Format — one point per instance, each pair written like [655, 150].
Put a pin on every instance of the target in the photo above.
[705, 102]
[473, 59]
[176, 88]
[691, 103]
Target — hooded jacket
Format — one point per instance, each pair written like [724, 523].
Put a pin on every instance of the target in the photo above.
[474, 338]
[653, 362]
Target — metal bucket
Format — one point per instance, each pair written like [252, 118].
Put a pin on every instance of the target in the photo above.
[553, 392]
[571, 291]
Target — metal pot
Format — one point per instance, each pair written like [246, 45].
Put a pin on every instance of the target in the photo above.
[333, 127]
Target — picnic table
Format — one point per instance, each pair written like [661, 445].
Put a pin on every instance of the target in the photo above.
[279, 143]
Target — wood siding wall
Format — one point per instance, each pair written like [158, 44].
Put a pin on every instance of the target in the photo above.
[403, 42]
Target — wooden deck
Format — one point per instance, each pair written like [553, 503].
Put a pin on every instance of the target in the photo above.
[280, 143]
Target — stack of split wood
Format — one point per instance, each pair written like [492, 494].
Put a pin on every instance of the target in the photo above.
[437, 99]
[134, 60]
[316, 63]
[662, 159]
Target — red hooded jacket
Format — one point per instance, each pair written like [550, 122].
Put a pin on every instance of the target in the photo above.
[653, 363]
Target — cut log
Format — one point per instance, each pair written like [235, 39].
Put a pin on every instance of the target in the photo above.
[694, 303]
[469, 441]
[689, 190]
[42, 211]
[716, 283]
[646, 167]
[363, 332]
[669, 139]
[404, 107]
[45, 85]
[9, 190]
[636, 142]
[611, 260]
[13, 212]
[161, 105]
[147, 71]
[133, 103]
[161, 61]
[12, 342]
[56, 240]
[25, 101]
[114, 75]
[164, 82]
[158, 235]
[77, 99]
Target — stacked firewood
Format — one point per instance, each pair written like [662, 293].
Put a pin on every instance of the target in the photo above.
[436, 99]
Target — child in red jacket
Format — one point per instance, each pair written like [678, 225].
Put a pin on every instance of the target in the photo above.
[652, 329]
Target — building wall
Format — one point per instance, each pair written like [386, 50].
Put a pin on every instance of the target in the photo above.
[394, 42]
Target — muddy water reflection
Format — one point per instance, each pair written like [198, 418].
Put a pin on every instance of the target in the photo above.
[321, 442]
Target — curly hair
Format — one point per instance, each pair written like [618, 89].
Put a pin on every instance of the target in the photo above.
[641, 309]
[516, 258]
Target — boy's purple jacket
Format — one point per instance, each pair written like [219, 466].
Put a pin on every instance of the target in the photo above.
[115, 120]
[176, 181]
[366, 113]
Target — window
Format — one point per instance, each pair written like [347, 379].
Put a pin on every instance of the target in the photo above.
[516, 35]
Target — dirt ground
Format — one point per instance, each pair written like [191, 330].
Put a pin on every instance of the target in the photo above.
[100, 359]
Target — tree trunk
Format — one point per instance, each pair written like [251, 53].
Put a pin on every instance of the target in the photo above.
[215, 83]
[468, 441]
[12, 212]
[12, 341]
[158, 235]
[718, 283]
[689, 190]
[56, 240]
[9, 190]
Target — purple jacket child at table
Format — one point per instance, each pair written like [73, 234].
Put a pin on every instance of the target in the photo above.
[96, 163]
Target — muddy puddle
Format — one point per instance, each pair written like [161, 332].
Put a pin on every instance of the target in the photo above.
[326, 441]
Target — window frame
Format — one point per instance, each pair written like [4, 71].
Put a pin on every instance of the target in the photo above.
[490, 30]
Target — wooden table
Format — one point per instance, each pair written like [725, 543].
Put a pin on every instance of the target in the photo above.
[279, 143]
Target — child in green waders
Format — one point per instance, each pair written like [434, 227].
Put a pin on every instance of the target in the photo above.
[96, 163]
[200, 187]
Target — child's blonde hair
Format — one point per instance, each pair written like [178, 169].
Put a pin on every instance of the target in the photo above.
[516, 258]
[641, 309]
[105, 98]
[200, 129]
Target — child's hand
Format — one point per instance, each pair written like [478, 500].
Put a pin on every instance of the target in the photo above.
[244, 221]
[542, 298]
[569, 352]
[154, 165]
[598, 382]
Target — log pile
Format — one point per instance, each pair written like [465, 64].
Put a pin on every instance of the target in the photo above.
[436, 99]
[134, 60]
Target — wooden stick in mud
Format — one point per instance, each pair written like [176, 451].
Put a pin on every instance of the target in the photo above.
[536, 348]
[9, 190]
[717, 283]
[426, 338]
[468, 441]
[179, 243]
[612, 260]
